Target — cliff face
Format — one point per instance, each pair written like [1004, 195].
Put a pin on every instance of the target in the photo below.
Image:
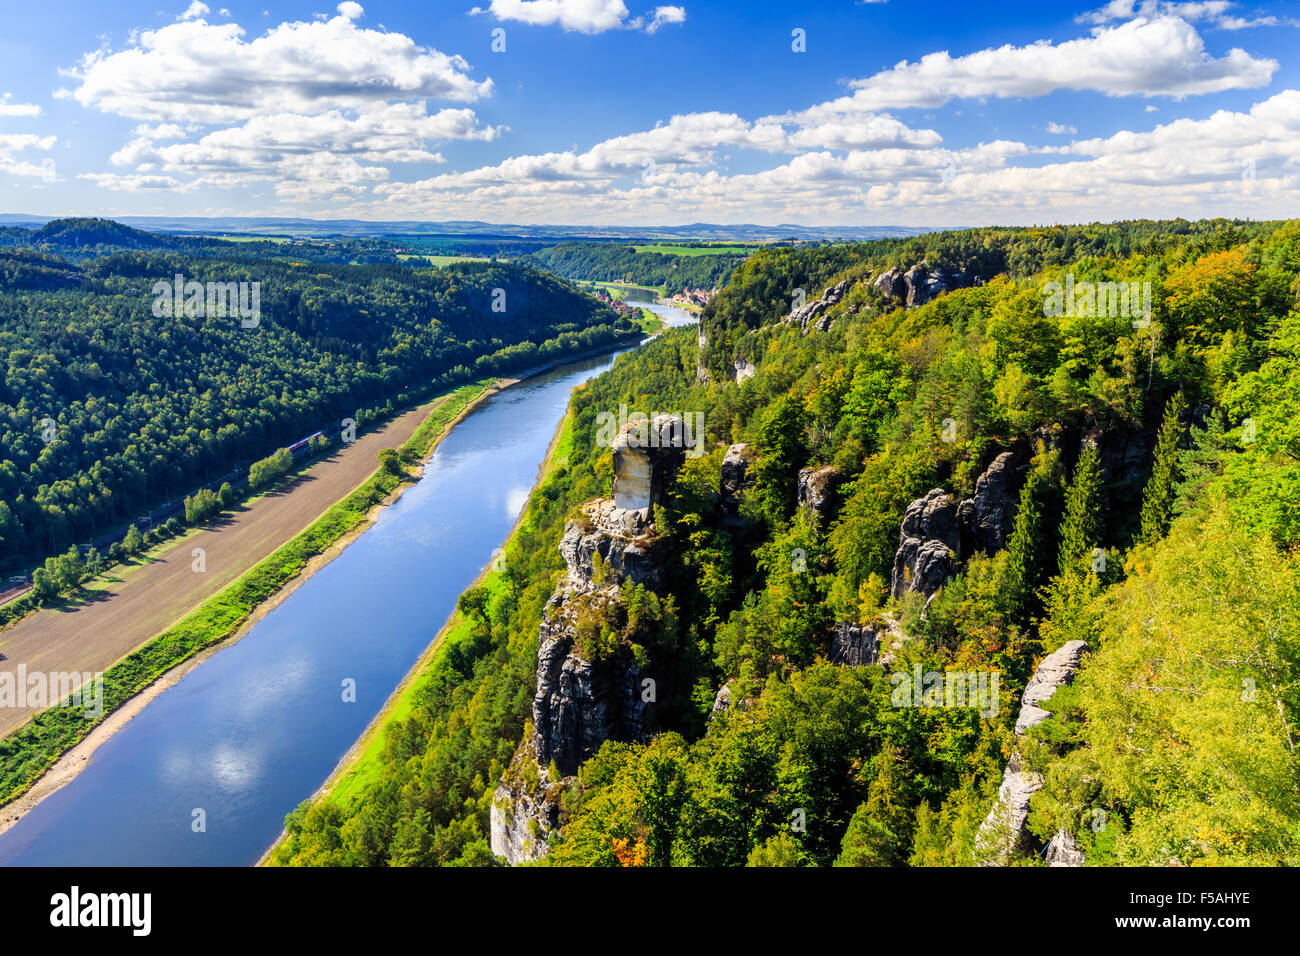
[1002, 834]
[938, 531]
[582, 698]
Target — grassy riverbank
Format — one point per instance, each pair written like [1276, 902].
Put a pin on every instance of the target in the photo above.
[362, 767]
[30, 751]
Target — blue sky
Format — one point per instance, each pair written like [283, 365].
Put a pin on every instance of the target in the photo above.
[607, 111]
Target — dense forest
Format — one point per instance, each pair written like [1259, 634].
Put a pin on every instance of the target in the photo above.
[610, 262]
[1157, 495]
[108, 408]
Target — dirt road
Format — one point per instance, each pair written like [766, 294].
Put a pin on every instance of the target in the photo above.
[135, 603]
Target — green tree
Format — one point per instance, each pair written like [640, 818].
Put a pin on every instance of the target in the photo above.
[1158, 499]
[133, 541]
[1081, 526]
[1024, 568]
[43, 586]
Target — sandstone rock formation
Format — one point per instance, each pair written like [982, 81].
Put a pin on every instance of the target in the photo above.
[929, 546]
[647, 455]
[920, 284]
[817, 487]
[744, 369]
[937, 532]
[1063, 851]
[854, 645]
[581, 702]
[734, 480]
[986, 518]
[891, 285]
[701, 343]
[811, 317]
[1003, 833]
[525, 810]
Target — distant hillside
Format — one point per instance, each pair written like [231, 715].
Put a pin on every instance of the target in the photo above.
[94, 232]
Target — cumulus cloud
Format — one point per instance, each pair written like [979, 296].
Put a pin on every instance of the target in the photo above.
[319, 109]
[193, 71]
[1213, 12]
[135, 182]
[195, 11]
[1164, 56]
[1061, 129]
[665, 15]
[17, 109]
[13, 143]
[582, 16]
[1185, 164]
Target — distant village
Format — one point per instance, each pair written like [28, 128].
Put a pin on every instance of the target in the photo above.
[693, 297]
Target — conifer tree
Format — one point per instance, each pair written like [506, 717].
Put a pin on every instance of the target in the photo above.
[1158, 499]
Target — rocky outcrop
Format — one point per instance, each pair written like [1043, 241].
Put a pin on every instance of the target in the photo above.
[625, 540]
[525, 809]
[1002, 835]
[581, 703]
[1056, 670]
[914, 280]
[1062, 850]
[583, 700]
[891, 285]
[920, 284]
[937, 532]
[811, 316]
[986, 518]
[854, 645]
[734, 480]
[817, 488]
[929, 546]
[701, 343]
[647, 455]
[744, 369]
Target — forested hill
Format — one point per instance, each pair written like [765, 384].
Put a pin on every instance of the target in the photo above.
[975, 485]
[80, 240]
[145, 407]
[764, 287]
[611, 262]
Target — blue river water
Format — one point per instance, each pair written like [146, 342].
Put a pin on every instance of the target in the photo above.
[254, 730]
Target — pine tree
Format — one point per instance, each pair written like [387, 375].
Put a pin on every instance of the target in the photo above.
[1024, 566]
[1199, 464]
[1081, 527]
[1158, 499]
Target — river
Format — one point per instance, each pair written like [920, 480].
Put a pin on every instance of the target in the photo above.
[250, 733]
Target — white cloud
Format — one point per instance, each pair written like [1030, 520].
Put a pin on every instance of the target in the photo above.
[318, 109]
[1168, 171]
[195, 11]
[664, 15]
[135, 183]
[1213, 12]
[208, 73]
[1061, 129]
[17, 109]
[582, 16]
[11, 143]
[1157, 57]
